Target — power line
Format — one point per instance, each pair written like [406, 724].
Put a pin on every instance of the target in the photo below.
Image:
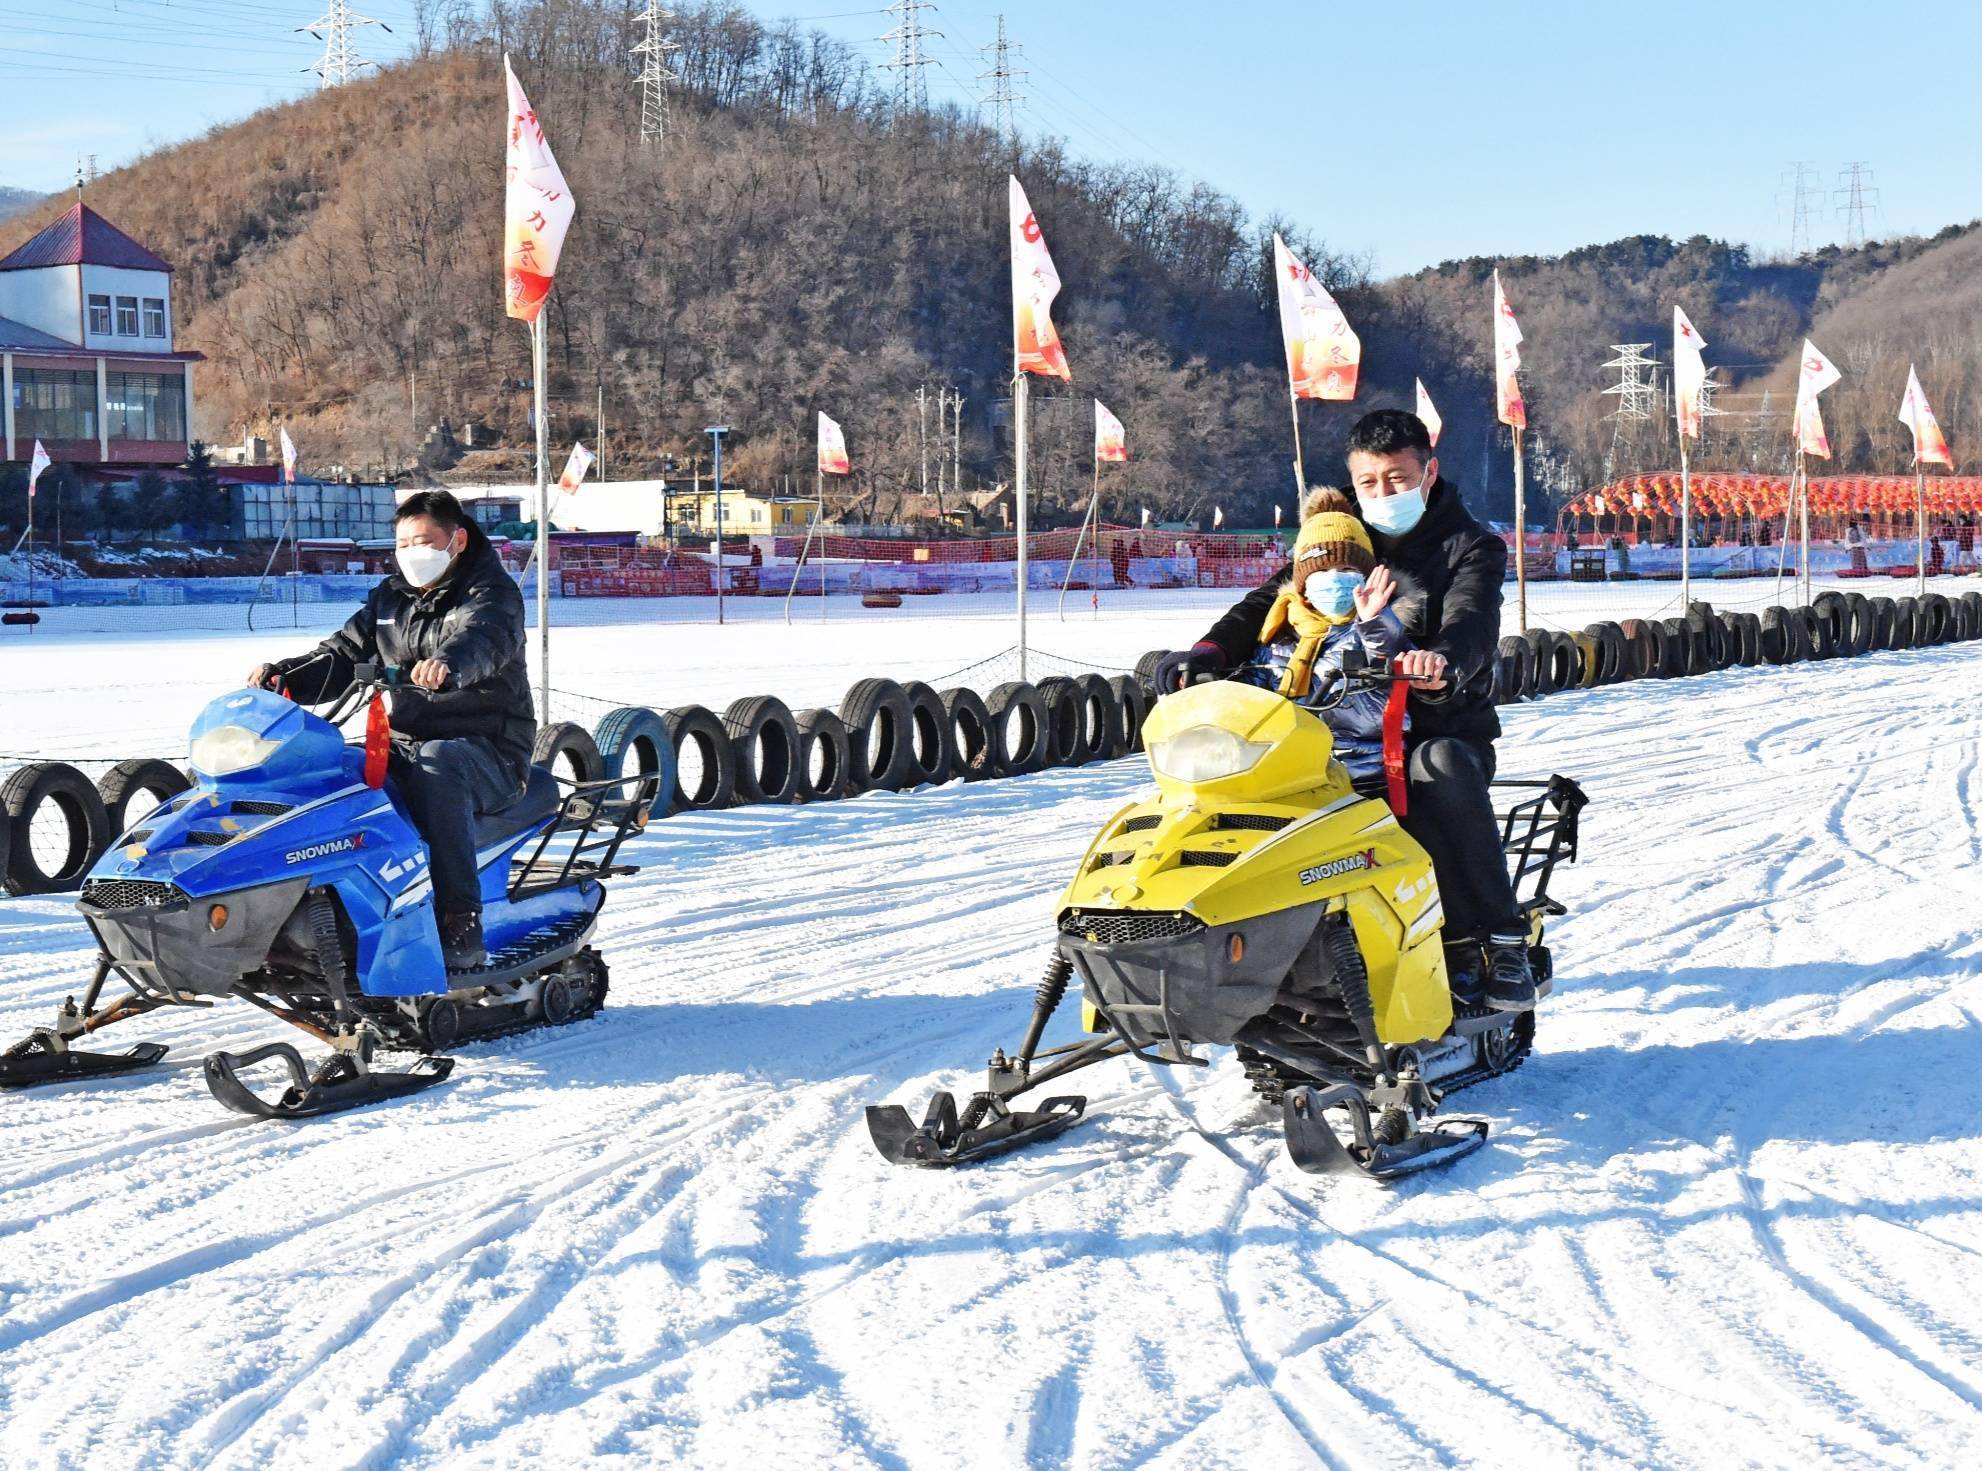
[909, 34]
[655, 73]
[1001, 76]
[340, 58]
[1856, 195]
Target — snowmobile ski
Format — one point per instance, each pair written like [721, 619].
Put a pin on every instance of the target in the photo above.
[337, 1084]
[987, 1127]
[41, 1058]
[1317, 1149]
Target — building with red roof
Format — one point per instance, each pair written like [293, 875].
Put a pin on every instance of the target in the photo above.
[87, 362]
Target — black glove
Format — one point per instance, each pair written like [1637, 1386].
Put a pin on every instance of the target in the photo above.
[1182, 668]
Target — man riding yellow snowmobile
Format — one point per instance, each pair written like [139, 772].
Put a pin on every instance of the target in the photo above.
[1259, 900]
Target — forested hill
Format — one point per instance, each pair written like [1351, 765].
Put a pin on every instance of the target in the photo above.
[14, 201]
[795, 245]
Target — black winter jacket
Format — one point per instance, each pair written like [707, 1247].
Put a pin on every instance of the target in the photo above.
[1449, 571]
[472, 621]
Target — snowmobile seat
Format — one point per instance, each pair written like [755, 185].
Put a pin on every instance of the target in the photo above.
[538, 800]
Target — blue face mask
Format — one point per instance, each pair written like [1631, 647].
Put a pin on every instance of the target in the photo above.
[1394, 515]
[1332, 593]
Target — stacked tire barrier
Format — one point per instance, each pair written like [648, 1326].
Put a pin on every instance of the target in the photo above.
[1837, 625]
[55, 823]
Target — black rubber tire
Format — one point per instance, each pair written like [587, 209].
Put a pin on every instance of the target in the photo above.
[1934, 619]
[763, 738]
[1796, 630]
[1972, 601]
[1064, 721]
[1678, 652]
[633, 740]
[715, 787]
[1020, 741]
[1859, 609]
[1906, 624]
[1146, 671]
[1960, 630]
[1775, 640]
[1541, 662]
[1587, 668]
[572, 743]
[1132, 704]
[1748, 639]
[1703, 639]
[879, 746]
[22, 796]
[1515, 675]
[142, 782]
[932, 743]
[970, 734]
[1100, 719]
[1835, 614]
[1610, 643]
[823, 732]
[1640, 652]
[1883, 612]
[1817, 634]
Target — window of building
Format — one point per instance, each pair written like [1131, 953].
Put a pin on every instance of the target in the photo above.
[99, 315]
[145, 406]
[127, 316]
[154, 317]
[54, 403]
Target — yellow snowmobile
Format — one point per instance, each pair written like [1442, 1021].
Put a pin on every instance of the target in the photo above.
[1258, 899]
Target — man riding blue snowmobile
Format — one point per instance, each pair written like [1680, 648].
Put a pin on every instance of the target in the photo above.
[429, 887]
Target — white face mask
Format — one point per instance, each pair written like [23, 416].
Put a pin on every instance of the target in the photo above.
[422, 565]
[1394, 515]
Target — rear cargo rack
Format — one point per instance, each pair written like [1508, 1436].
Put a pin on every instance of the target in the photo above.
[596, 817]
[1538, 833]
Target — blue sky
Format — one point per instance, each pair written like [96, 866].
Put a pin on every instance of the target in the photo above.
[1412, 131]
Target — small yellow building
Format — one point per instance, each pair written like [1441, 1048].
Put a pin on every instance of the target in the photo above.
[744, 512]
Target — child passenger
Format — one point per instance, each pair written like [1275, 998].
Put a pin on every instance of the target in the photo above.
[1338, 600]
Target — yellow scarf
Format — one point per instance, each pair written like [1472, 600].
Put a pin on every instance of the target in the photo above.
[1310, 628]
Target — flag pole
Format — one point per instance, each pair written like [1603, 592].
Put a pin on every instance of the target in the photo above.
[1919, 520]
[1685, 527]
[1019, 492]
[1300, 469]
[1788, 510]
[1520, 531]
[1804, 519]
[537, 354]
[1093, 501]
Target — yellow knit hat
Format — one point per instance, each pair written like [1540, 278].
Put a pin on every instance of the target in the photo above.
[1330, 535]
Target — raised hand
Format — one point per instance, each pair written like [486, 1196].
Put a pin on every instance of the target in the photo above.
[1375, 593]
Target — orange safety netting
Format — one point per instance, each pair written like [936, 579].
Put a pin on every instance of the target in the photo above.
[1716, 493]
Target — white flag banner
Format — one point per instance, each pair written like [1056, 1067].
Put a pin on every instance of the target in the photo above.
[536, 208]
[1110, 439]
[39, 463]
[1509, 407]
[1689, 373]
[574, 468]
[1145, 516]
[1217, 517]
[1035, 343]
[1813, 376]
[288, 456]
[832, 448]
[1322, 351]
[1428, 413]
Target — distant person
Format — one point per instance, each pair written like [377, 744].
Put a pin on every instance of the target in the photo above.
[1854, 542]
[462, 726]
[1449, 570]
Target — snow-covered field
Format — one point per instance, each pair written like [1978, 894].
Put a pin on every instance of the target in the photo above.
[1730, 1214]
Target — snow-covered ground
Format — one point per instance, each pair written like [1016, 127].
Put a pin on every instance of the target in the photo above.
[1730, 1214]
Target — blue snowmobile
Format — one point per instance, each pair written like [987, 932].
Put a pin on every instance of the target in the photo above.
[291, 877]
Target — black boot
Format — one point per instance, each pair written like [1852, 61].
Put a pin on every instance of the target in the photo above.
[461, 940]
[1465, 973]
[1510, 982]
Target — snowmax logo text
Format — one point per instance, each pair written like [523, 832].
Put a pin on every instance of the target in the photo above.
[324, 850]
[1335, 868]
